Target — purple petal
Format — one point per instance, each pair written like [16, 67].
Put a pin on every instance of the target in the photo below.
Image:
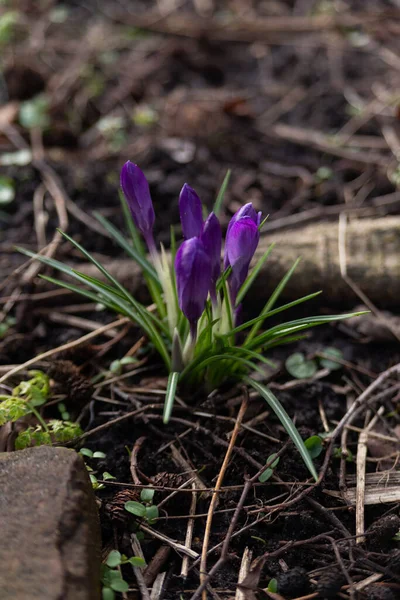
[190, 212]
[246, 211]
[212, 240]
[136, 190]
[193, 277]
[241, 244]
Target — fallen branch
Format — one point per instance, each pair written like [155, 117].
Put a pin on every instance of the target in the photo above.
[373, 248]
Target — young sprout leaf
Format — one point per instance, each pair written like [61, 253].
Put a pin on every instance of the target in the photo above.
[273, 586]
[86, 452]
[98, 454]
[113, 559]
[107, 594]
[299, 367]
[314, 446]
[147, 495]
[119, 585]
[151, 513]
[137, 561]
[135, 508]
[267, 474]
[333, 364]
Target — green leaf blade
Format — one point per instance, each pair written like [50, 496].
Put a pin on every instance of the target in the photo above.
[286, 421]
[173, 379]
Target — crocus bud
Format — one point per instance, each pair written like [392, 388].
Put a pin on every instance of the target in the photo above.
[241, 243]
[136, 191]
[212, 240]
[190, 212]
[246, 211]
[193, 277]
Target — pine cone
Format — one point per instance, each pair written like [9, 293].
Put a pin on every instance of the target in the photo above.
[115, 508]
[169, 480]
[180, 502]
[76, 385]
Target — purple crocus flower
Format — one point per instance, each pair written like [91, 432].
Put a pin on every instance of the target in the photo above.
[193, 277]
[245, 211]
[241, 243]
[190, 211]
[136, 191]
[212, 240]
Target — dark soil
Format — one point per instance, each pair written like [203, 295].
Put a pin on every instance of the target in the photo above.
[188, 99]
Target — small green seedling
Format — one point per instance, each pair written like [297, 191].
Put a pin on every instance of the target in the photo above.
[116, 366]
[333, 364]
[8, 24]
[87, 453]
[63, 411]
[96, 484]
[301, 367]
[90, 454]
[323, 174]
[7, 190]
[338, 453]
[34, 113]
[6, 324]
[111, 577]
[273, 586]
[267, 474]
[145, 509]
[314, 445]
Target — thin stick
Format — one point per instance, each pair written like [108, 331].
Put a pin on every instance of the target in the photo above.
[153, 569]
[184, 485]
[189, 532]
[186, 466]
[243, 572]
[67, 346]
[142, 409]
[134, 457]
[137, 550]
[361, 464]
[180, 548]
[218, 485]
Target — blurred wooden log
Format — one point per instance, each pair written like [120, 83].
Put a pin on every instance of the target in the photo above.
[373, 263]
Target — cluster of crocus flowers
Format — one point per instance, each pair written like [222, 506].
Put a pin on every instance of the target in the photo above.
[198, 260]
[197, 343]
